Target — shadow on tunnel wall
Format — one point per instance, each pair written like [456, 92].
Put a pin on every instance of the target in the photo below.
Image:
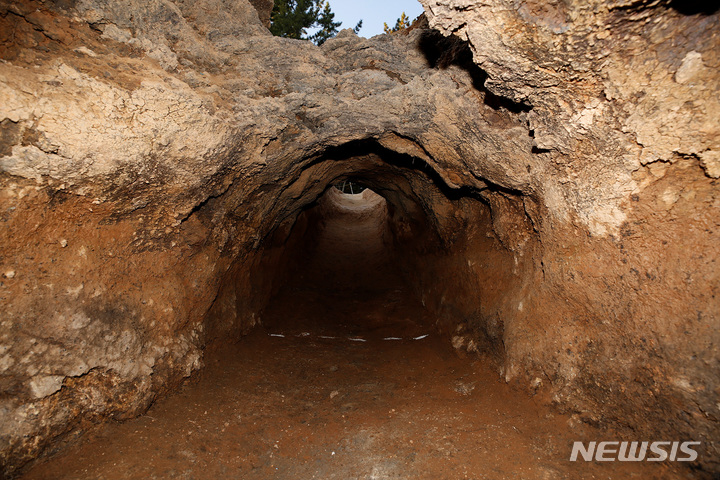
[441, 52]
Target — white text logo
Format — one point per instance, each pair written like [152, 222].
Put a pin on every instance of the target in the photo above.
[634, 451]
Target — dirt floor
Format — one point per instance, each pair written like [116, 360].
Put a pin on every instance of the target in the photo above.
[346, 379]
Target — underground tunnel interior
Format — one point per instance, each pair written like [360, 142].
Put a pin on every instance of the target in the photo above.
[350, 372]
[533, 263]
[370, 357]
[408, 227]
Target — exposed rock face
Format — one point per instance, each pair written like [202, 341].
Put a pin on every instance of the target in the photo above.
[624, 101]
[624, 84]
[156, 154]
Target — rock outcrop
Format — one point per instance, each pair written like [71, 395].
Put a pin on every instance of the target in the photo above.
[556, 165]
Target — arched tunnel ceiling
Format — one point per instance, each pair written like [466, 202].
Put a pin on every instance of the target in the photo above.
[413, 188]
[191, 130]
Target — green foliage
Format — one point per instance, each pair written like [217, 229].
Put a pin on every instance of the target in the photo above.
[292, 19]
[402, 23]
[328, 28]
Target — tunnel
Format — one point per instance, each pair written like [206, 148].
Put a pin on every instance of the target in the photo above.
[351, 244]
[358, 292]
[483, 246]
[403, 230]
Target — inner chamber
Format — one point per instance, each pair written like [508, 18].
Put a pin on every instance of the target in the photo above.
[343, 278]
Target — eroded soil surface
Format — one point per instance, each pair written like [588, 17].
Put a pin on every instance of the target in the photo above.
[342, 383]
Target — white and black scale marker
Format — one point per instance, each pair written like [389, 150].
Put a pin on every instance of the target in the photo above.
[352, 339]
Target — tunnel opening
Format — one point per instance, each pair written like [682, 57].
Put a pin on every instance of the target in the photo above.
[344, 275]
[451, 251]
[349, 312]
[350, 187]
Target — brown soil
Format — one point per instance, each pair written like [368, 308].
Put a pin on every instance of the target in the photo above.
[317, 402]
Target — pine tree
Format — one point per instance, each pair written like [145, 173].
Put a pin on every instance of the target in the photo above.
[292, 19]
[402, 23]
[328, 28]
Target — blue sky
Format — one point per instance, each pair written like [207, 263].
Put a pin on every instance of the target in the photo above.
[373, 13]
